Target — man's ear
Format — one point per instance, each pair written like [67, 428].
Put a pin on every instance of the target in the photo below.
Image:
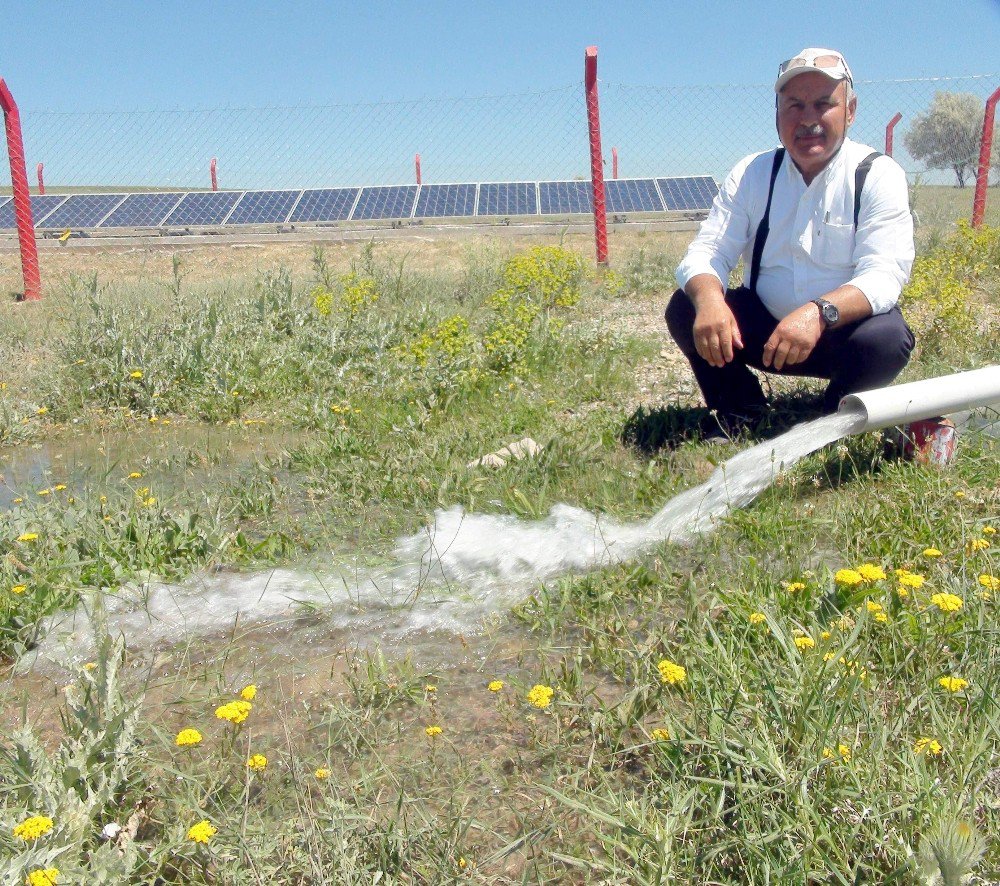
[852, 107]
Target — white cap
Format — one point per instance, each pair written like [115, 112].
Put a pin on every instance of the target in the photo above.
[827, 62]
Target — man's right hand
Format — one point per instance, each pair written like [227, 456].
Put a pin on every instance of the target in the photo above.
[716, 333]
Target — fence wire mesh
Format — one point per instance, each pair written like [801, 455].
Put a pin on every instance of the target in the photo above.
[656, 131]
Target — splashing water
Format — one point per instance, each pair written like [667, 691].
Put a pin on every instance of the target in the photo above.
[451, 576]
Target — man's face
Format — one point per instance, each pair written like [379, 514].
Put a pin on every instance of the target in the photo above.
[813, 116]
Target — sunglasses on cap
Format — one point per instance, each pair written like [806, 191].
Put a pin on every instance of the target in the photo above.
[832, 64]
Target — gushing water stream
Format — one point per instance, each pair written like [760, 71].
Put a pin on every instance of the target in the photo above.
[449, 576]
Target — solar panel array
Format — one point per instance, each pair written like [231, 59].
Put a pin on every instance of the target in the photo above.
[393, 202]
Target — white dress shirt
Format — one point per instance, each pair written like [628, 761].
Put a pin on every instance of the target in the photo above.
[812, 247]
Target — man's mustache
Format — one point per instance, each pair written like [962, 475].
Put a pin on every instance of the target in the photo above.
[806, 131]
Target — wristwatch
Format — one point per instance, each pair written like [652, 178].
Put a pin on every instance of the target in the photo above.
[828, 312]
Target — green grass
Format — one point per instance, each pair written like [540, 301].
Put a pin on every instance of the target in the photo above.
[777, 762]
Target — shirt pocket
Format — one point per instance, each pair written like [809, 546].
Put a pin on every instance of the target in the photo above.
[834, 247]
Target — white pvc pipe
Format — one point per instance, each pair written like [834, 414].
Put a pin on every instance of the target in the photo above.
[899, 404]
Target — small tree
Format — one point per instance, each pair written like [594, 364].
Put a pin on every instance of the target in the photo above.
[947, 134]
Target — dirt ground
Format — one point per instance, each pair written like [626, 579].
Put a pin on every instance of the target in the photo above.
[208, 259]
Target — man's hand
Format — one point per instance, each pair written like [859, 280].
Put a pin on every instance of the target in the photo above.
[793, 338]
[716, 332]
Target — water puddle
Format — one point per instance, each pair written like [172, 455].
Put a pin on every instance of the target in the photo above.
[188, 457]
[448, 580]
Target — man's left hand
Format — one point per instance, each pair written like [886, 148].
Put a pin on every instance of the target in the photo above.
[793, 338]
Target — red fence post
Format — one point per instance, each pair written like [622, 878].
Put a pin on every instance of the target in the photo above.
[985, 150]
[890, 126]
[22, 197]
[416, 162]
[596, 160]
[212, 169]
[40, 169]
[614, 163]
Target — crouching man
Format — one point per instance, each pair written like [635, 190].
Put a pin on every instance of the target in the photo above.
[824, 229]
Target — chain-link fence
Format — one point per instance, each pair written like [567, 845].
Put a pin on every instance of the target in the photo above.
[657, 131]
[647, 132]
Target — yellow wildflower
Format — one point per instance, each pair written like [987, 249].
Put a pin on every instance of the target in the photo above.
[18, 500]
[59, 487]
[804, 643]
[930, 746]
[322, 773]
[670, 673]
[235, 711]
[989, 530]
[660, 735]
[977, 544]
[201, 832]
[249, 692]
[870, 572]
[947, 602]
[953, 684]
[44, 492]
[433, 731]
[41, 410]
[931, 552]
[757, 618]
[848, 577]
[990, 582]
[32, 828]
[134, 475]
[430, 687]
[257, 762]
[877, 611]
[540, 696]
[843, 753]
[187, 738]
[825, 635]
[135, 373]
[910, 579]
[18, 589]
[794, 586]
[959, 493]
[495, 685]
[42, 877]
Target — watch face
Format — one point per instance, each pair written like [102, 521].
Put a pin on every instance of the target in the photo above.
[828, 311]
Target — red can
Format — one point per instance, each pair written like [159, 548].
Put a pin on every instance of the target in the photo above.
[930, 441]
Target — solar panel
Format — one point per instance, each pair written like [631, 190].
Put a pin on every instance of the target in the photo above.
[263, 207]
[41, 206]
[83, 211]
[394, 201]
[508, 198]
[559, 198]
[688, 193]
[204, 208]
[436, 201]
[632, 195]
[325, 204]
[142, 211]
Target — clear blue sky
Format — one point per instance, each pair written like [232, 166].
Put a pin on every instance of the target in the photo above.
[92, 56]
[98, 55]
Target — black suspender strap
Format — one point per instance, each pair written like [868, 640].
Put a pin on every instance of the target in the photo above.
[764, 226]
[859, 182]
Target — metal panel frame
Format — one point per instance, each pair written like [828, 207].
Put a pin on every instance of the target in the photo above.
[297, 191]
[422, 187]
[177, 195]
[69, 199]
[533, 184]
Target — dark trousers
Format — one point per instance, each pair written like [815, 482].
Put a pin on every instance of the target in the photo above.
[857, 357]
